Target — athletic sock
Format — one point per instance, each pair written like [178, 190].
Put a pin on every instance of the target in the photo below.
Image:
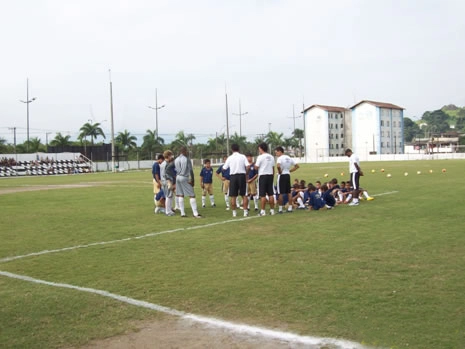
[193, 203]
[226, 199]
[154, 199]
[365, 193]
[262, 212]
[280, 209]
[212, 200]
[255, 201]
[180, 201]
[234, 213]
[246, 213]
[301, 202]
[272, 211]
[168, 202]
[204, 199]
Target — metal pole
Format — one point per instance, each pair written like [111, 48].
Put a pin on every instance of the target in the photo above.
[227, 125]
[112, 127]
[156, 113]
[240, 118]
[27, 108]
[305, 130]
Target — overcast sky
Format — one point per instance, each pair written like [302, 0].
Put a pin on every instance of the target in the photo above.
[270, 54]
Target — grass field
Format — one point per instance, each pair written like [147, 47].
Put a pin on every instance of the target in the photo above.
[389, 273]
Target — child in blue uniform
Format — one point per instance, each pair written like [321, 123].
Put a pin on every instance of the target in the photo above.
[206, 182]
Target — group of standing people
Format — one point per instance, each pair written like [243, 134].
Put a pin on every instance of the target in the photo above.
[174, 179]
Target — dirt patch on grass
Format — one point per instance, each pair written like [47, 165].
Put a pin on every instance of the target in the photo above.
[43, 187]
[174, 333]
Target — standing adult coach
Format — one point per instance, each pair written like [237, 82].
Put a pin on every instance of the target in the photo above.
[237, 164]
[285, 165]
[265, 167]
[355, 173]
[185, 182]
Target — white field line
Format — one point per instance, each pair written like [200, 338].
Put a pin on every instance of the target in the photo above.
[32, 254]
[230, 326]
[388, 193]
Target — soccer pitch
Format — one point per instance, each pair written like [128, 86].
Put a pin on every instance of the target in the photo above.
[388, 273]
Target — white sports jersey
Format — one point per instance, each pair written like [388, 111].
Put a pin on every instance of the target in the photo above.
[285, 162]
[237, 163]
[353, 159]
[265, 164]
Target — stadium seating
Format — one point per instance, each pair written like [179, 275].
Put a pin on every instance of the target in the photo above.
[10, 168]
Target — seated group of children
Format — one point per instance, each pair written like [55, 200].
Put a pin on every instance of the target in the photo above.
[326, 195]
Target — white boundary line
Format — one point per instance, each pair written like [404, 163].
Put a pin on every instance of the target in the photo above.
[388, 193]
[229, 326]
[32, 254]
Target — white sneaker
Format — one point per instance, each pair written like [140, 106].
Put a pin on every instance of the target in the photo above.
[157, 209]
[353, 203]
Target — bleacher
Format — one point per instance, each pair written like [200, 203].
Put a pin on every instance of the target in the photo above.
[9, 167]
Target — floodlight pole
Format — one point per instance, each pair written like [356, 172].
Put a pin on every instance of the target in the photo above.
[240, 118]
[27, 101]
[113, 169]
[156, 108]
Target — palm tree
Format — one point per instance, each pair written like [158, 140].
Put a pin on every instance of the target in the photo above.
[240, 140]
[35, 144]
[152, 143]
[61, 141]
[291, 143]
[273, 139]
[126, 140]
[91, 130]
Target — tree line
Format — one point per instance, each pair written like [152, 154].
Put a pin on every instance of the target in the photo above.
[153, 144]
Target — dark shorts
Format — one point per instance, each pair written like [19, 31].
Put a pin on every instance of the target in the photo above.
[284, 184]
[237, 185]
[355, 178]
[265, 185]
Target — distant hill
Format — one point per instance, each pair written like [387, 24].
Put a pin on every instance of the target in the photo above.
[453, 111]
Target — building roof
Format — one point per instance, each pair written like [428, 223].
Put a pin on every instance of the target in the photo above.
[378, 104]
[327, 108]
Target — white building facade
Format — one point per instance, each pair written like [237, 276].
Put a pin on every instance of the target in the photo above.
[377, 128]
[328, 131]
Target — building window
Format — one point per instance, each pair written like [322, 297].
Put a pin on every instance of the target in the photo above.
[388, 133]
[382, 144]
[335, 125]
[337, 136]
[342, 125]
[393, 124]
[387, 144]
[382, 122]
[342, 135]
[382, 133]
[337, 146]
[387, 123]
[342, 145]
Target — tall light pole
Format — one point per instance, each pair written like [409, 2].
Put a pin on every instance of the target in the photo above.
[294, 117]
[27, 101]
[156, 108]
[227, 122]
[113, 169]
[240, 118]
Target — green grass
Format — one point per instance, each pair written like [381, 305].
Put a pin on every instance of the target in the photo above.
[387, 273]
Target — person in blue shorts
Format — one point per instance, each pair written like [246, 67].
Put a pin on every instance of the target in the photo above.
[315, 202]
[328, 197]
